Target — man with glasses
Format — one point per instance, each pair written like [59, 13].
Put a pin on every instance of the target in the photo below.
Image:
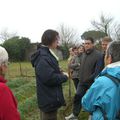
[91, 66]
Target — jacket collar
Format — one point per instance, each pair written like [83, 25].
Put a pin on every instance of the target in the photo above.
[44, 50]
[112, 69]
[2, 80]
[89, 51]
[50, 51]
[112, 65]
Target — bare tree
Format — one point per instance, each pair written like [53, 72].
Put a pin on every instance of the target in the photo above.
[68, 38]
[68, 35]
[117, 32]
[104, 24]
[5, 35]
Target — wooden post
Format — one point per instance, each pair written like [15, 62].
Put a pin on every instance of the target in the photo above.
[20, 69]
[70, 93]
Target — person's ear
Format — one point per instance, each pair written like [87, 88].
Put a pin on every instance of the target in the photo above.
[107, 60]
[3, 69]
[110, 59]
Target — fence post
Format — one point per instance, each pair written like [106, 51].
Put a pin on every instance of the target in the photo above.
[70, 89]
[20, 69]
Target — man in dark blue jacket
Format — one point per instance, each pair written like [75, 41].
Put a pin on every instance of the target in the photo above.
[48, 76]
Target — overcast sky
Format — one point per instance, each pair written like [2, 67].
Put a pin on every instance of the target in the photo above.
[29, 18]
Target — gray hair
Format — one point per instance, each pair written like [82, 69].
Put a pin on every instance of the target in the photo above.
[114, 51]
[3, 56]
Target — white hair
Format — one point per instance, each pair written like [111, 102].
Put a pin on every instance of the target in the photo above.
[3, 56]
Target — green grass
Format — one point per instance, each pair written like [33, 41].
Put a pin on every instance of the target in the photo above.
[28, 106]
[14, 70]
[25, 91]
[24, 88]
[16, 83]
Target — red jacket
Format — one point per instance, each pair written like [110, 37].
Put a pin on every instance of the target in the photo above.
[8, 104]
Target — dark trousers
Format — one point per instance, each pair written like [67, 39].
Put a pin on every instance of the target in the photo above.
[81, 90]
[48, 115]
[76, 81]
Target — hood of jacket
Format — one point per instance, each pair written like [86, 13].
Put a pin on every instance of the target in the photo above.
[42, 51]
[113, 70]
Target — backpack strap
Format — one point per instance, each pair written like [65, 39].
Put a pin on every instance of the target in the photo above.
[117, 82]
[104, 113]
[118, 115]
[114, 79]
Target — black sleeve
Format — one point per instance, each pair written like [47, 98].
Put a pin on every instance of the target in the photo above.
[47, 74]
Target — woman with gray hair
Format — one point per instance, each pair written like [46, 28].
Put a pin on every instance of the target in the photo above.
[102, 100]
[8, 104]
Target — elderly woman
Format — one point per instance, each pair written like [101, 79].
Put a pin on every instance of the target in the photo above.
[48, 76]
[8, 104]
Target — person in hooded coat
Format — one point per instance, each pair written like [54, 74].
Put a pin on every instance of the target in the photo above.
[102, 100]
[49, 77]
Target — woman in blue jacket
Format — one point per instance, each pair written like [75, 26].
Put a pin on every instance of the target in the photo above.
[49, 77]
[102, 100]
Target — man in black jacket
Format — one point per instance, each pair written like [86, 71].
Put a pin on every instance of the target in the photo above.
[49, 77]
[91, 65]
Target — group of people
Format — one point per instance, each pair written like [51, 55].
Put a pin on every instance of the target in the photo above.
[87, 68]
[74, 63]
[96, 76]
